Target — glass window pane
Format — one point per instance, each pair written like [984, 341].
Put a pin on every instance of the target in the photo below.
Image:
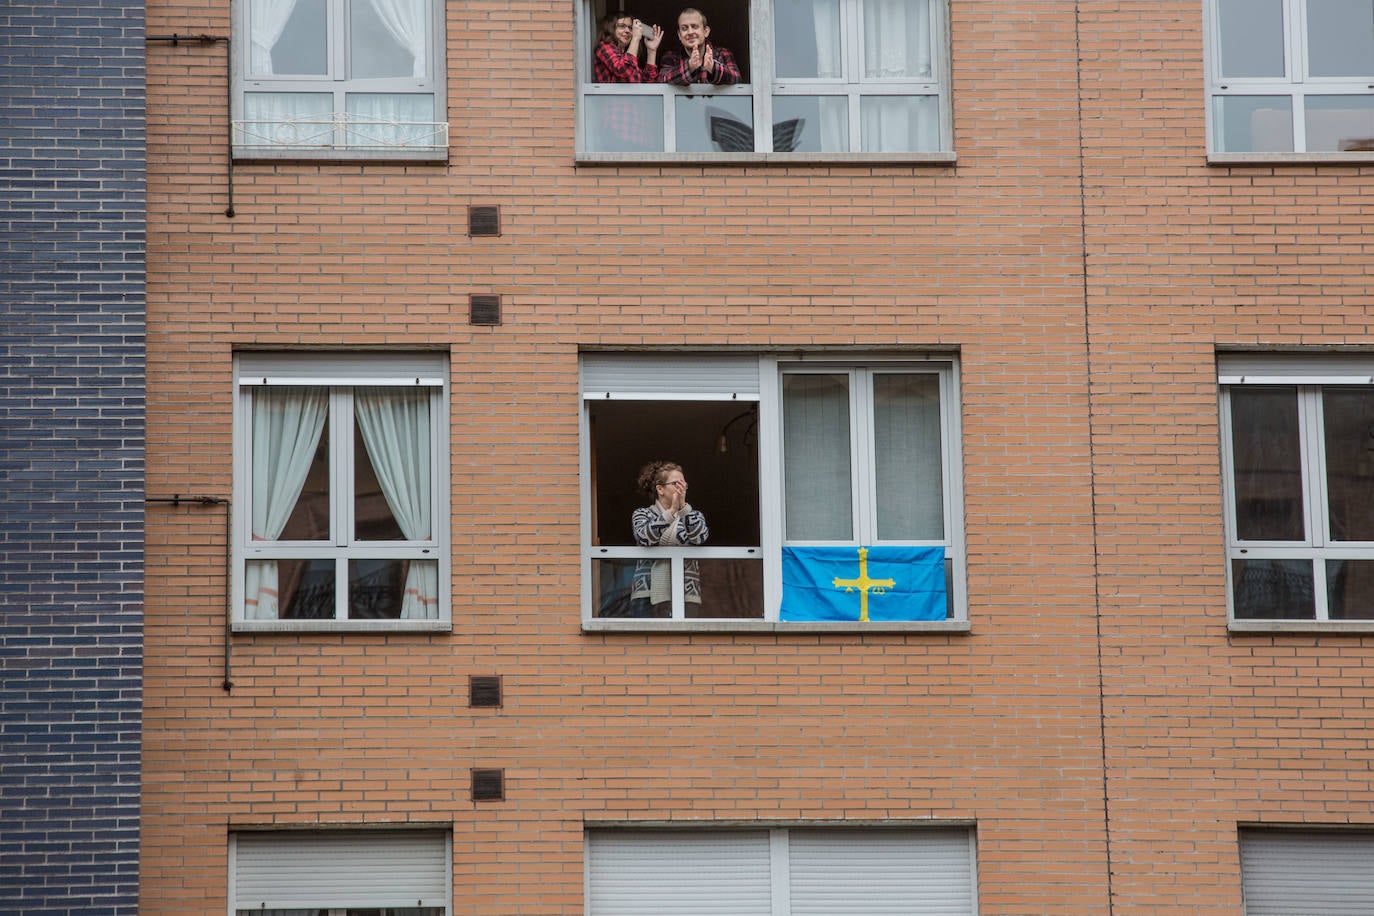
[1340, 38]
[392, 474]
[807, 36]
[613, 589]
[287, 119]
[305, 588]
[1348, 420]
[899, 123]
[1254, 123]
[289, 38]
[624, 123]
[1267, 458]
[1339, 122]
[389, 119]
[810, 124]
[897, 40]
[816, 462]
[1273, 590]
[1251, 40]
[729, 589]
[908, 456]
[1350, 589]
[376, 588]
[290, 472]
[388, 38]
[714, 123]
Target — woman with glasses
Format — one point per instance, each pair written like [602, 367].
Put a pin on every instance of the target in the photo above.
[669, 521]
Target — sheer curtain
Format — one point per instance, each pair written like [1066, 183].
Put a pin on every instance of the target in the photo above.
[816, 471]
[395, 428]
[408, 23]
[266, 21]
[897, 39]
[907, 456]
[287, 424]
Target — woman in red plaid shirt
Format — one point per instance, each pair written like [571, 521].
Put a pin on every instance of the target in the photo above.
[616, 59]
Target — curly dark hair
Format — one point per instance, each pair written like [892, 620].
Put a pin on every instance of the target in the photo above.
[608, 22]
[655, 473]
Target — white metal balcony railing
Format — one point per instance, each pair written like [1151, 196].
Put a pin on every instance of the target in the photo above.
[341, 131]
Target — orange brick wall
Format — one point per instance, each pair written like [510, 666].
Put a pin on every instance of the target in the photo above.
[1003, 726]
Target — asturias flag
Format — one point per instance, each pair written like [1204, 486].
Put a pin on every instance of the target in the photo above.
[841, 583]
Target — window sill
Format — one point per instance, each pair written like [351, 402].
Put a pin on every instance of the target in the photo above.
[621, 625]
[1353, 157]
[379, 156]
[770, 159]
[1327, 627]
[342, 626]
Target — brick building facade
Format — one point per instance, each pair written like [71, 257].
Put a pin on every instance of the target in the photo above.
[1128, 692]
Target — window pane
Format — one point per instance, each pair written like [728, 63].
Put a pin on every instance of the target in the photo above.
[287, 119]
[1340, 38]
[392, 476]
[1251, 38]
[714, 124]
[729, 589]
[810, 124]
[613, 587]
[899, 123]
[807, 34]
[816, 463]
[908, 456]
[305, 588]
[289, 38]
[624, 123]
[1350, 589]
[376, 589]
[392, 120]
[1254, 123]
[1267, 457]
[1339, 122]
[897, 39]
[1348, 417]
[388, 38]
[290, 464]
[1273, 589]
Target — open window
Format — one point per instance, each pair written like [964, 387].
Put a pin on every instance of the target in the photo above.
[341, 492]
[830, 488]
[824, 77]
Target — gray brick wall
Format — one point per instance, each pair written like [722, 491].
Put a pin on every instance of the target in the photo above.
[71, 454]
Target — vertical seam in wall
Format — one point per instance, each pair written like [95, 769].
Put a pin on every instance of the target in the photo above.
[1092, 454]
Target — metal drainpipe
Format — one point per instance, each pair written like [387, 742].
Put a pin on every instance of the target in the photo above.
[174, 501]
[175, 40]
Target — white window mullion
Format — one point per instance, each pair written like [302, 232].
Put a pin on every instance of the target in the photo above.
[770, 483]
[1314, 487]
[341, 490]
[781, 872]
[677, 573]
[864, 458]
[762, 78]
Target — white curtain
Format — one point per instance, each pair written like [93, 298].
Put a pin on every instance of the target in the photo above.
[408, 23]
[272, 117]
[373, 112]
[816, 469]
[897, 39]
[287, 424]
[266, 21]
[907, 456]
[395, 428]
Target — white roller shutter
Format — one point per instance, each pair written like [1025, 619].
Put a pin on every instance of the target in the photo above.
[1294, 369]
[878, 872]
[678, 873]
[348, 368]
[686, 376]
[340, 868]
[1307, 872]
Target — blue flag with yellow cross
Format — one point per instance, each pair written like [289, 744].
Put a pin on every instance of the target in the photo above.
[863, 583]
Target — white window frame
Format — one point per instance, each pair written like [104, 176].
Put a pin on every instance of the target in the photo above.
[340, 373]
[340, 135]
[1309, 375]
[340, 869]
[1296, 84]
[647, 847]
[763, 85]
[769, 396]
